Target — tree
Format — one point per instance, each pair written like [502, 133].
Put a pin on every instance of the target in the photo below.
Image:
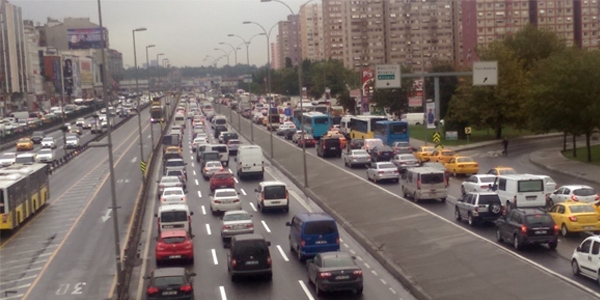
[394, 99]
[448, 85]
[532, 44]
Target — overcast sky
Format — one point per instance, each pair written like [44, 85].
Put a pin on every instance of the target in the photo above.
[185, 30]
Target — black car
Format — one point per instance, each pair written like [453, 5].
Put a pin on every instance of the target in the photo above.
[334, 271]
[37, 137]
[249, 255]
[289, 133]
[527, 226]
[356, 144]
[219, 129]
[229, 136]
[382, 153]
[329, 147]
[170, 283]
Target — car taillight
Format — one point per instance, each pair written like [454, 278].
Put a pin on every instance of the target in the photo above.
[221, 169]
[573, 218]
[396, 172]
[236, 200]
[268, 260]
[178, 185]
[419, 184]
[357, 272]
[152, 290]
[217, 201]
[597, 197]
[302, 243]
[324, 274]
[163, 199]
[484, 186]
[183, 198]
[160, 246]
[523, 229]
[4, 218]
[186, 288]
[226, 226]
[381, 172]
[556, 227]
[574, 198]
[205, 169]
[233, 262]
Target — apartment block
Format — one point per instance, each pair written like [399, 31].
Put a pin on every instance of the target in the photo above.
[288, 41]
[363, 33]
[13, 66]
[332, 28]
[311, 32]
[275, 56]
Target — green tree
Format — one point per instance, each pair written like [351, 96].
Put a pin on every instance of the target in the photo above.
[448, 85]
[532, 44]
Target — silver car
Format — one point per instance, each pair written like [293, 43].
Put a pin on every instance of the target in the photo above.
[379, 171]
[46, 156]
[7, 159]
[210, 168]
[168, 182]
[48, 142]
[72, 142]
[356, 157]
[236, 222]
[233, 146]
[405, 161]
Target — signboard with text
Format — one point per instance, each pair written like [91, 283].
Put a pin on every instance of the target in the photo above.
[85, 38]
[387, 76]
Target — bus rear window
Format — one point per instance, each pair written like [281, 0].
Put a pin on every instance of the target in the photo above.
[321, 120]
[398, 128]
[2, 205]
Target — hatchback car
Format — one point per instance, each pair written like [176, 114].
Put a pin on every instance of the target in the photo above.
[308, 141]
[527, 226]
[72, 142]
[170, 283]
[379, 171]
[463, 165]
[585, 260]
[173, 195]
[174, 244]
[334, 271]
[477, 183]
[224, 200]
[210, 168]
[222, 179]
[573, 216]
[236, 222]
[579, 193]
[7, 159]
[424, 152]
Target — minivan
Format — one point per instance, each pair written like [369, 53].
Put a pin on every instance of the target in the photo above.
[250, 161]
[272, 195]
[312, 233]
[424, 183]
[208, 156]
[520, 190]
[249, 255]
[221, 149]
[174, 216]
[329, 146]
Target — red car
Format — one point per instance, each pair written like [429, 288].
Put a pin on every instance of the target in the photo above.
[309, 141]
[221, 179]
[174, 245]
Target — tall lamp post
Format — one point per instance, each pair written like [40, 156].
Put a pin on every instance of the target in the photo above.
[137, 92]
[158, 65]
[299, 84]
[233, 49]
[226, 53]
[148, 79]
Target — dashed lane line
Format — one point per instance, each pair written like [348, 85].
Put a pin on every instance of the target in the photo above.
[222, 291]
[253, 207]
[305, 289]
[203, 210]
[265, 226]
[282, 253]
[214, 256]
[208, 229]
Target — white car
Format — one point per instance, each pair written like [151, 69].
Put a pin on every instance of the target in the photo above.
[7, 159]
[168, 182]
[477, 183]
[221, 135]
[46, 156]
[48, 142]
[586, 258]
[25, 158]
[283, 127]
[296, 135]
[379, 171]
[198, 141]
[173, 195]
[579, 193]
[80, 122]
[357, 157]
[72, 142]
[102, 117]
[225, 200]
[210, 168]
[236, 222]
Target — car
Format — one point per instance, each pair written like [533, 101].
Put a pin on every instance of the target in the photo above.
[226, 136]
[172, 150]
[104, 124]
[478, 207]
[48, 142]
[76, 130]
[7, 159]
[381, 153]
[210, 167]
[526, 226]
[222, 200]
[443, 155]
[168, 182]
[334, 271]
[405, 161]
[379, 171]
[477, 183]
[308, 141]
[437, 166]
[297, 135]
[402, 147]
[356, 144]
[233, 145]
[175, 164]
[356, 157]
[249, 255]
[72, 142]
[372, 143]
[463, 165]
[580, 193]
[236, 222]
[284, 127]
[502, 171]
[170, 283]
[220, 138]
[173, 195]
[24, 144]
[424, 152]
[312, 233]
[272, 195]
[80, 122]
[177, 173]
[585, 260]
[46, 155]
[37, 136]
[335, 134]
[222, 179]
[25, 158]
[174, 244]
[289, 134]
[197, 141]
[571, 216]
[196, 131]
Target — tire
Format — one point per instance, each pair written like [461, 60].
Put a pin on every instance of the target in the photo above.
[499, 235]
[457, 214]
[497, 207]
[553, 245]
[575, 268]
[564, 231]
[443, 200]
[550, 203]
[359, 290]
[269, 276]
[517, 243]
[415, 197]
[471, 220]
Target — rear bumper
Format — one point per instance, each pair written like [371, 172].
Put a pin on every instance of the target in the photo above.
[328, 286]
[188, 254]
[252, 272]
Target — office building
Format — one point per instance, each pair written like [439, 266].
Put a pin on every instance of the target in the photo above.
[275, 55]
[332, 29]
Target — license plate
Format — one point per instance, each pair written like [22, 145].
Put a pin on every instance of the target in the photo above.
[342, 277]
[320, 242]
[246, 168]
[252, 262]
[168, 226]
[541, 232]
[332, 148]
[275, 202]
[175, 256]
[167, 293]
[588, 227]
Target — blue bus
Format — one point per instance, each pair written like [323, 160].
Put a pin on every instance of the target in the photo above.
[391, 131]
[297, 116]
[316, 123]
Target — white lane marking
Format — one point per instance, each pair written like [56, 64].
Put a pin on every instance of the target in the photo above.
[194, 172]
[359, 258]
[199, 194]
[4, 263]
[196, 181]
[305, 289]
[208, 229]
[353, 252]
[235, 179]
[214, 256]
[191, 157]
[203, 210]
[24, 266]
[393, 291]
[230, 172]
[266, 226]
[15, 288]
[346, 245]
[242, 190]
[192, 165]
[222, 291]
[20, 279]
[374, 273]
[14, 297]
[301, 201]
[341, 240]
[282, 253]
[134, 159]
[367, 266]
[383, 281]
[253, 207]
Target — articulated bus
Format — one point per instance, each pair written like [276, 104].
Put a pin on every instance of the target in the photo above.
[391, 131]
[316, 123]
[362, 126]
[24, 190]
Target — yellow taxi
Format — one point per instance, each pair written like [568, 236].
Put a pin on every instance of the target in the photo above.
[337, 135]
[172, 150]
[24, 144]
[502, 171]
[463, 165]
[571, 216]
[442, 156]
[424, 152]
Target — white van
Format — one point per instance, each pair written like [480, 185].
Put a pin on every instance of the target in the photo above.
[174, 216]
[413, 118]
[272, 195]
[346, 125]
[424, 183]
[218, 120]
[520, 190]
[250, 161]
[549, 185]
[179, 120]
[223, 152]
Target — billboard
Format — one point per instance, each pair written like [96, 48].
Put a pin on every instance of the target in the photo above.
[86, 74]
[85, 38]
[368, 81]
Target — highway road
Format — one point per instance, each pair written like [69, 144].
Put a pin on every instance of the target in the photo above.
[67, 250]
[489, 157]
[290, 278]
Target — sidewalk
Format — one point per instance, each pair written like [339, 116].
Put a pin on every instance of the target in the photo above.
[415, 143]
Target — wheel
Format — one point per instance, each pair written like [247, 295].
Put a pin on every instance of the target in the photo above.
[396, 180]
[550, 202]
[299, 254]
[359, 290]
[564, 231]
[318, 291]
[470, 219]
[462, 190]
[552, 245]
[499, 235]
[516, 242]
[443, 200]
[375, 179]
[457, 214]
[575, 267]
[269, 276]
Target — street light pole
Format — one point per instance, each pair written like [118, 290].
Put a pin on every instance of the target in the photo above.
[137, 91]
[226, 54]
[232, 48]
[148, 79]
[62, 102]
[158, 74]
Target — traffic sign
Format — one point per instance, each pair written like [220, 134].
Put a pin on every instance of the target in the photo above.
[485, 73]
[439, 147]
[467, 130]
[437, 138]
[143, 166]
[387, 76]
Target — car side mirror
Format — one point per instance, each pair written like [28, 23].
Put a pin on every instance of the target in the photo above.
[256, 190]
[268, 243]
[288, 224]
[156, 215]
[191, 213]
[147, 277]
[578, 248]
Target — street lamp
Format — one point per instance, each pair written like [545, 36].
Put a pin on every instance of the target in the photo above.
[113, 192]
[148, 79]
[137, 91]
[233, 49]
[226, 53]
[299, 84]
[158, 66]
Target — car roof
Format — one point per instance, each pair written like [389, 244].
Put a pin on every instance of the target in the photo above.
[249, 237]
[314, 217]
[173, 232]
[576, 186]
[173, 207]
[272, 183]
[173, 271]
[29, 154]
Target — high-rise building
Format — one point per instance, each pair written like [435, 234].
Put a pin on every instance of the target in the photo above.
[311, 32]
[332, 29]
[363, 34]
[275, 55]
[33, 61]
[288, 41]
[13, 67]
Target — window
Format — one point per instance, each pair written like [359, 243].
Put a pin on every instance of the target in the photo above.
[585, 246]
[275, 192]
[530, 186]
[502, 184]
[320, 228]
[596, 248]
[2, 202]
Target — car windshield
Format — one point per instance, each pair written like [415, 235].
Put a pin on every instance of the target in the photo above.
[169, 281]
[584, 192]
[174, 240]
[582, 209]
[236, 217]
[71, 138]
[175, 163]
[234, 142]
[402, 144]
[432, 178]
[173, 192]
[225, 194]
[338, 261]
[387, 166]
[24, 140]
[174, 173]
[170, 180]
[222, 175]
[539, 219]
[464, 160]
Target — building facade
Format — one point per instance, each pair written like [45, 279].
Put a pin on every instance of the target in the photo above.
[332, 28]
[33, 63]
[275, 55]
[288, 41]
[311, 32]
[13, 66]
